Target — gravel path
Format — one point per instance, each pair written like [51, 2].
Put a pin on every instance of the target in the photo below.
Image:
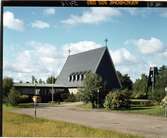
[148, 126]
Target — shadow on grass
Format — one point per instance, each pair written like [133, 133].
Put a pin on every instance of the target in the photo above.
[140, 108]
[25, 105]
[134, 108]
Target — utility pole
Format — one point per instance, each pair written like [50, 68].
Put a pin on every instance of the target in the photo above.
[52, 90]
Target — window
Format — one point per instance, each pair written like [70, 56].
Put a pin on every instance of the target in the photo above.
[69, 78]
[81, 76]
[77, 77]
[73, 77]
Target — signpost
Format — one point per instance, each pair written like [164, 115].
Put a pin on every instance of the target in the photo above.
[34, 98]
[52, 92]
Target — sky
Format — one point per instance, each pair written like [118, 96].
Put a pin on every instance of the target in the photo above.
[37, 39]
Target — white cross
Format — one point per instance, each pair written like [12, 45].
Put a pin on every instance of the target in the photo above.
[106, 40]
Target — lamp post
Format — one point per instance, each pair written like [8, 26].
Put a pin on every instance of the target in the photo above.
[35, 103]
[35, 98]
[98, 98]
[52, 91]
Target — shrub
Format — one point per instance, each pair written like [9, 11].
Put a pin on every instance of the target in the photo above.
[138, 95]
[117, 100]
[108, 101]
[164, 102]
[71, 98]
[13, 97]
[25, 99]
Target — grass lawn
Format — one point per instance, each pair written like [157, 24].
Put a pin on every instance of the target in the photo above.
[23, 125]
[87, 106]
[146, 110]
[17, 125]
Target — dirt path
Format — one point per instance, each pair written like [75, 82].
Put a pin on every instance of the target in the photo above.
[148, 126]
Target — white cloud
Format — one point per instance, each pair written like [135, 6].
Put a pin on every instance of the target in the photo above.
[80, 46]
[149, 46]
[92, 16]
[40, 24]
[122, 56]
[11, 22]
[49, 11]
[41, 60]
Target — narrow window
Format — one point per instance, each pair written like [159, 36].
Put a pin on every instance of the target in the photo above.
[69, 78]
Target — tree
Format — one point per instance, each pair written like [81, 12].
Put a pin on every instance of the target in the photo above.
[34, 80]
[140, 87]
[125, 80]
[160, 84]
[158, 92]
[40, 81]
[14, 96]
[90, 92]
[51, 80]
[7, 85]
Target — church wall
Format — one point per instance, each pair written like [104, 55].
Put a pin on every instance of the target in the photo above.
[107, 71]
[73, 90]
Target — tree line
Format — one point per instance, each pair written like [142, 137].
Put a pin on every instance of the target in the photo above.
[129, 90]
[93, 83]
[11, 95]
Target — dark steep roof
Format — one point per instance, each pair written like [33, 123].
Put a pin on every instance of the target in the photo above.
[81, 62]
[97, 61]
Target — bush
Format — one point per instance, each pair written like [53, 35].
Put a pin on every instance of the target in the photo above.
[13, 97]
[139, 95]
[25, 99]
[71, 98]
[164, 102]
[117, 100]
[158, 94]
[108, 101]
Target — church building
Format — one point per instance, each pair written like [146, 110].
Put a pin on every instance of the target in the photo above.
[73, 73]
[97, 61]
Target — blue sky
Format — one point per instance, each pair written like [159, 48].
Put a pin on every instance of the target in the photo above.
[37, 40]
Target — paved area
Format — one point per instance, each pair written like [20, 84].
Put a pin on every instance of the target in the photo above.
[148, 126]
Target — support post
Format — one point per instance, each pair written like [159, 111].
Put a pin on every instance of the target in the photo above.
[35, 110]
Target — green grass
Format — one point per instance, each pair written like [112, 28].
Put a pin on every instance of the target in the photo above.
[17, 125]
[85, 106]
[22, 105]
[147, 110]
